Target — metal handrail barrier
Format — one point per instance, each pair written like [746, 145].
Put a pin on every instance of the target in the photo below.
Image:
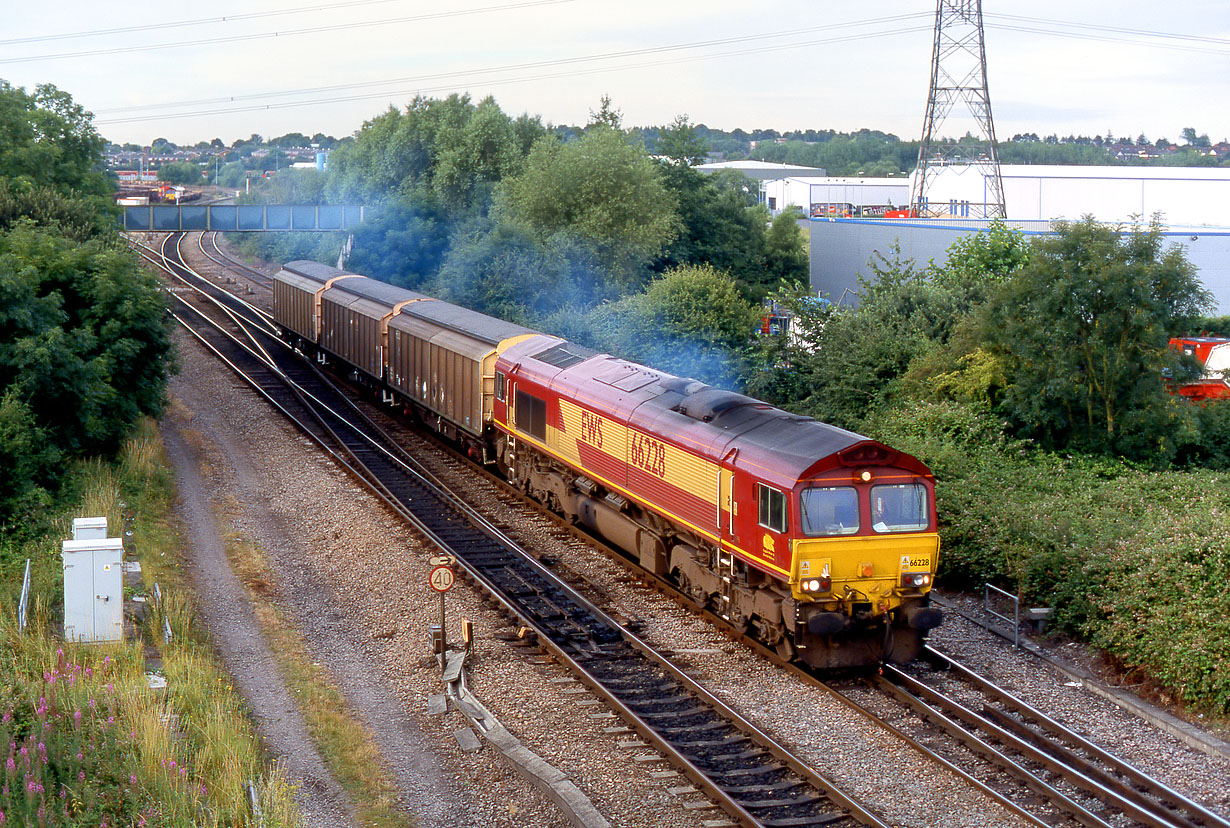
[255, 801]
[1015, 620]
[166, 622]
[24, 605]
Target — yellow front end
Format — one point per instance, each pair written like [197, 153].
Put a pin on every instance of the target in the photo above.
[864, 570]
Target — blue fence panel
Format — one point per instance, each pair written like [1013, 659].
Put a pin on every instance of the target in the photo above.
[223, 217]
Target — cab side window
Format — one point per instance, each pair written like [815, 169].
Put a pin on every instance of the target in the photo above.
[772, 508]
[499, 385]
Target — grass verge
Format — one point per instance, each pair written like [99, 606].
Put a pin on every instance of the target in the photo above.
[88, 741]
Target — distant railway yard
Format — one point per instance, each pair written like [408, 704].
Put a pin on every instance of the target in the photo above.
[583, 688]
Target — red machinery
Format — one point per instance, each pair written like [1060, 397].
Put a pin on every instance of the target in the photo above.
[1214, 354]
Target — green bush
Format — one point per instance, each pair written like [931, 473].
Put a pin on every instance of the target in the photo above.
[1169, 589]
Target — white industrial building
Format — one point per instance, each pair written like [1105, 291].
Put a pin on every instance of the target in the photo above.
[759, 170]
[1184, 196]
[825, 196]
[1193, 202]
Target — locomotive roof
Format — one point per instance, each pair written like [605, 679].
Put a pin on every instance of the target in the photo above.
[783, 446]
[777, 440]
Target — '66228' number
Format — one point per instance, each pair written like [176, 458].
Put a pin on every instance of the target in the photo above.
[648, 454]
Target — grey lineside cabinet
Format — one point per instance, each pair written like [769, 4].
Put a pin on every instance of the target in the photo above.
[93, 583]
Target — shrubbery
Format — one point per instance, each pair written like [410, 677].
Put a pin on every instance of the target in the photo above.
[1134, 559]
[84, 336]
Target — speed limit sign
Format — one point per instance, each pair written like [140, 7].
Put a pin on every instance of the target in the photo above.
[441, 579]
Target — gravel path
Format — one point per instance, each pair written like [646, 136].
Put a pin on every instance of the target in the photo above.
[223, 607]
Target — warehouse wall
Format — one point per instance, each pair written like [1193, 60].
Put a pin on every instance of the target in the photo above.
[840, 251]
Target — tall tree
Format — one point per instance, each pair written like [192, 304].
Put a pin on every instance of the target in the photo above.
[1081, 332]
[46, 139]
[691, 321]
[603, 189]
[606, 116]
[681, 144]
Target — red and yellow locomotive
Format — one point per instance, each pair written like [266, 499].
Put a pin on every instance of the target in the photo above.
[820, 542]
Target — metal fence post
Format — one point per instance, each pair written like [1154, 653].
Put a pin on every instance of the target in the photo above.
[24, 605]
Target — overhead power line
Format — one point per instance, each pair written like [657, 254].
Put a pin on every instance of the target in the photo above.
[1174, 47]
[507, 81]
[338, 27]
[1114, 29]
[437, 76]
[200, 21]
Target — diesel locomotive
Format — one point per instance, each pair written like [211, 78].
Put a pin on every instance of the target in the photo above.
[820, 542]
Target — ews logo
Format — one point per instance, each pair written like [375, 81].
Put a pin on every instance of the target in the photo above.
[591, 429]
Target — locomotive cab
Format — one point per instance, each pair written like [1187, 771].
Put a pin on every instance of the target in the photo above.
[864, 557]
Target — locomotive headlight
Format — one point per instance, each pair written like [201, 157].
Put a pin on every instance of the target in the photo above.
[816, 585]
[915, 580]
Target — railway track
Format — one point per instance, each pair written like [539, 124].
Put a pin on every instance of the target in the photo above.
[224, 260]
[753, 778]
[1104, 785]
[1015, 755]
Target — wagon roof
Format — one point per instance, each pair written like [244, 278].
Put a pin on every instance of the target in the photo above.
[463, 320]
[315, 270]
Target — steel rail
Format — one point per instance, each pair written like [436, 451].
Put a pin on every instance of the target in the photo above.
[231, 263]
[1054, 758]
[1116, 773]
[722, 794]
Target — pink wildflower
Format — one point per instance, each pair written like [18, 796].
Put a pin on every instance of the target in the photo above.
[132, 779]
[81, 775]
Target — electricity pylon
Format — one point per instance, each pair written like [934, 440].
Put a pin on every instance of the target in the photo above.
[959, 75]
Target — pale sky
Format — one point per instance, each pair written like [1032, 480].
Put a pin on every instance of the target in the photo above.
[231, 68]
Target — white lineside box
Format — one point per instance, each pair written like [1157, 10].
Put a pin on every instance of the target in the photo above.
[93, 589]
[94, 528]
